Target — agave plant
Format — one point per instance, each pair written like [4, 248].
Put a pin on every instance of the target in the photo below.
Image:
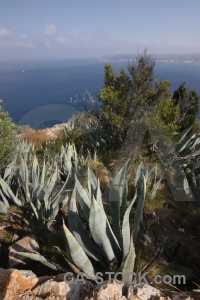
[189, 151]
[94, 243]
[70, 162]
[67, 159]
[183, 161]
[8, 187]
[36, 189]
[26, 150]
[110, 245]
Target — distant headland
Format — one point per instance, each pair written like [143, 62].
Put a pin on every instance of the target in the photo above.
[192, 58]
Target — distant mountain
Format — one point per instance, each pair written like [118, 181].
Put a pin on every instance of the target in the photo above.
[193, 58]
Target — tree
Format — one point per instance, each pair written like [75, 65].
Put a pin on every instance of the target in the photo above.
[188, 102]
[123, 94]
[7, 138]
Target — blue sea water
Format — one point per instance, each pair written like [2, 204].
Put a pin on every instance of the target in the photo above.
[39, 92]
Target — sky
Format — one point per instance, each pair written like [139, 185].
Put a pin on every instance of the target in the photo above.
[53, 29]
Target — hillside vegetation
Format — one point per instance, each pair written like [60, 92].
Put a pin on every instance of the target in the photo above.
[117, 188]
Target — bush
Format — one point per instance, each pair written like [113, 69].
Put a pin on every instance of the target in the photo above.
[7, 138]
[123, 95]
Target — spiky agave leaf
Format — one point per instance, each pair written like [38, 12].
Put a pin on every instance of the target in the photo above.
[155, 187]
[84, 199]
[5, 201]
[180, 137]
[129, 264]
[9, 169]
[24, 179]
[141, 190]
[78, 255]
[90, 248]
[126, 229]
[98, 224]
[35, 173]
[139, 172]
[187, 190]
[41, 259]
[115, 199]
[92, 181]
[39, 192]
[50, 187]
[8, 192]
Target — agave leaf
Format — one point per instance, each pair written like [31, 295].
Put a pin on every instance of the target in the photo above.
[52, 214]
[97, 224]
[67, 163]
[40, 258]
[140, 170]
[50, 187]
[25, 178]
[182, 135]
[123, 205]
[155, 169]
[129, 264]
[37, 193]
[21, 218]
[92, 182]
[9, 169]
[77, 254]
[195, 142]
[7, 190]
[98, 195]
[54, 200]
[187, 189]
[184, 145]
[75, 157]
[4, 199]
[140, 206]
[126, 229]
[112, 238]
[83, 198]
[155, 188]
[115, 199]
[35, 173]
[90, 248]
[70, 151]
[35, 210]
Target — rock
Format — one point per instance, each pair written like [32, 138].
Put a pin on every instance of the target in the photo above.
[26, 244]
[24, 284]
[15, 285]
[137, 291]
[108, 291]
[143, 292]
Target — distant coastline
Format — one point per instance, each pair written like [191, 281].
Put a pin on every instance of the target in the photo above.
[193, 58]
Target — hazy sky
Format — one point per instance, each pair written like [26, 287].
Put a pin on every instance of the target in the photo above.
[40, 29]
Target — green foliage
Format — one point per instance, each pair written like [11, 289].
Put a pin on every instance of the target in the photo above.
[87, 133]
[182, 160]
[123, 94]
[108, 245]
[188, 102]
[7, 138]
[36, 189]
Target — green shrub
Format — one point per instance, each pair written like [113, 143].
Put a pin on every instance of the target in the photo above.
[7, 138]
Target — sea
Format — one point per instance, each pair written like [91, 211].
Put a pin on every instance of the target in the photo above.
[44, 93]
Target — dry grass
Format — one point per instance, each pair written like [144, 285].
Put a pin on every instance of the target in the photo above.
[39, 138]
